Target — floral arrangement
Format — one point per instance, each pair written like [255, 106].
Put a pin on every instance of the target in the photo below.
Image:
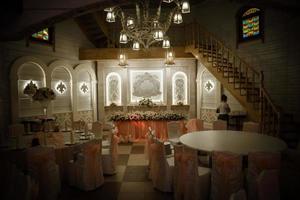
[146, 102]
[148, 115]
[113, 104]
[30, 89]
[44, 94]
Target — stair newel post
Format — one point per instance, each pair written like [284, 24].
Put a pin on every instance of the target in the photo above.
[233, 65]
[211, 47]
[240, 73]
[222, 57]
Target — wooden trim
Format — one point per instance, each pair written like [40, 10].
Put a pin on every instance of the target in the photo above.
[112, 53]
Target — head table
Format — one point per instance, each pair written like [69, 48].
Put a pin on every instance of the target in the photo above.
[239, 142]
[132, 130]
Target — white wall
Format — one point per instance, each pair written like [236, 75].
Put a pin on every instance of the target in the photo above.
[278, 56]
[187, 66]
[69, 39]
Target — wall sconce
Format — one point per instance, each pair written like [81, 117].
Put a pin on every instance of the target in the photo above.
[170, 56]
[84, 88]
[60, 87]
[30, 88]
[209, 85]
[122, 59]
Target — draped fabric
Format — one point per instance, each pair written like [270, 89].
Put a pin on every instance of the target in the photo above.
[79, 125]
[41, 164]
[137, 130]
[110, 156]
[251, 127]
[162, 174]
[227, 175]
[220, 125]
[97, 129]
[86, 167]
[257, 163]
[193, 125]
[190, 181]
[268, 185]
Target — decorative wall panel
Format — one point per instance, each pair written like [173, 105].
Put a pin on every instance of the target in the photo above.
[179, 88]
[84, 91]
[146, 83]
[113, 89]
[61, 85]
[63, 119]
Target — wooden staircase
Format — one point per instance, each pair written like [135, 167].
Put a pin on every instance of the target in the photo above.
[239, 78]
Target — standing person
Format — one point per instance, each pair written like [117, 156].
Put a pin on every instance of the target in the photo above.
[223, 109]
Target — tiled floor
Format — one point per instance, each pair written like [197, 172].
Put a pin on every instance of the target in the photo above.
[130, 183]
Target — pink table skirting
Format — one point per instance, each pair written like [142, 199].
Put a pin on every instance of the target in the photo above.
[137, 130]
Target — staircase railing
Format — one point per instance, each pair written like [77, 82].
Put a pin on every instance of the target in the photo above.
[243, 76]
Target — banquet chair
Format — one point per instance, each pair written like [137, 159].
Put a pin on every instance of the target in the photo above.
[110, 156]
[220, 125]
[42, 165]
[190, 180]
[16, 132]
[78, 126]
[86, 170]
[251, 127]
[258, 162]
[161, 171]
[268, 185]
[173, 131]
[194, 124]
[97, 129]
[226, 176]
[15, 184]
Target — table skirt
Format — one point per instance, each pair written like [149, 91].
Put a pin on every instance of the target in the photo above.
[137, 130]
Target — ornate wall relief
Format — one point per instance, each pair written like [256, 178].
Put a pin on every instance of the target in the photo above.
[179, 88]
[84, 92]
[146, 83]
[113, 89]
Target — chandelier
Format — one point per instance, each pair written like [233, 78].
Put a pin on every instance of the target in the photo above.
[147, 26]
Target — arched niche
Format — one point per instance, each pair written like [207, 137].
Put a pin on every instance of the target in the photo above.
[113, 91]
[179, 88]
[85, 93]
[23, 71]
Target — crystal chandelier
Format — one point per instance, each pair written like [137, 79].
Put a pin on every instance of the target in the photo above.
[147, 26]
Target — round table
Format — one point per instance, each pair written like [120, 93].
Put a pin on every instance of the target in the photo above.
[239, 142]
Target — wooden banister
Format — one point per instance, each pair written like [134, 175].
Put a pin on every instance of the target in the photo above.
[238, 71]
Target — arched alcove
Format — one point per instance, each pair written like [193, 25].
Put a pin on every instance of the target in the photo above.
[113, 91]
[179, 88]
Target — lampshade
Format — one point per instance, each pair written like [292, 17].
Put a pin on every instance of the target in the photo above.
[158, 35]
[185, 8]
[109, 9]
[110, 16]
[167, 1]
[130, 22]
[136, 46]
[123, 37]
[177, 18]
[166, 43]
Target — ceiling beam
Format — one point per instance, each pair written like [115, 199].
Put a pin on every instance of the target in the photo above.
[101, 23]
[112, 53]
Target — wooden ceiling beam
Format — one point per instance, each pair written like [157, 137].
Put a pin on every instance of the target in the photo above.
[112, 53]
[99, 18]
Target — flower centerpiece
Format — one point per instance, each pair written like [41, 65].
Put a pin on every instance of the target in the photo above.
[146, 102]
[30, 89]
[148, 115]
[44, 96]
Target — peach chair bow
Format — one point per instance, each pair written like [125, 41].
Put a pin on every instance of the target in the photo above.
[110, 156]
[194, 125]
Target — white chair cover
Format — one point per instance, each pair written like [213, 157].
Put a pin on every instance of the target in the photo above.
[268, 185]
[227, 175]
[97, 129]
[251, 127]
[110, 156]
[220, 125]
[194, 125]
[173, 131]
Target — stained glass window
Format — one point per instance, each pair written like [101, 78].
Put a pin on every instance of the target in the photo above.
[250, 22]
[42, 35]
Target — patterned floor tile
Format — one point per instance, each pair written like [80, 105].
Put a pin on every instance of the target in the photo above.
[124, 149]
[137, 160]
[122, 159]
[138, 149]
[136, 174]
[118, 177]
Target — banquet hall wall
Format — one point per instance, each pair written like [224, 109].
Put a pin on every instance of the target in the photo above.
[68, 39]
